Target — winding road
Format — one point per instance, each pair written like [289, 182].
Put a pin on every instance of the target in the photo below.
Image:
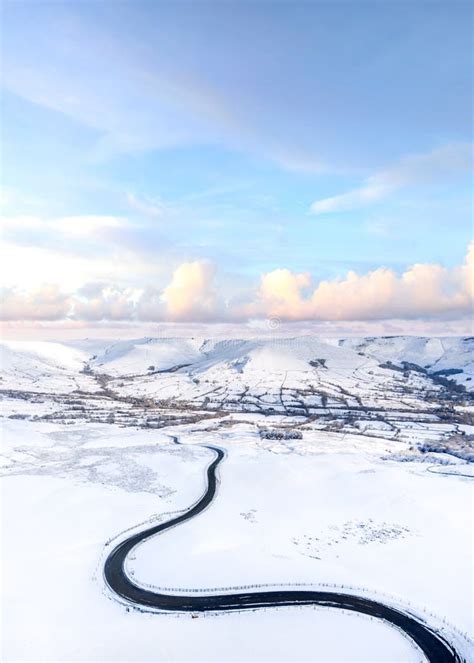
[432, 644]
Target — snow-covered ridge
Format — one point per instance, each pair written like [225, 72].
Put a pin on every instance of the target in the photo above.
[438, 356]
[450, 357]
[434, 354]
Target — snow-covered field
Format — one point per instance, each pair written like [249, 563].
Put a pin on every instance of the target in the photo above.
[351, 499]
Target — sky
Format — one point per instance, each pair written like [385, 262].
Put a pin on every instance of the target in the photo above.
[237, 163]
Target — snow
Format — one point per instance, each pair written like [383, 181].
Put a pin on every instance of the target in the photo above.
[87, 456]
[55, 608]
[129, 357]
[345, 519]
[434, 354]
[42, 365]
[41, 353]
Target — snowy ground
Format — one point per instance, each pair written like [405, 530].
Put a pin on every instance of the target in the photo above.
[345, 518]
[340, 506]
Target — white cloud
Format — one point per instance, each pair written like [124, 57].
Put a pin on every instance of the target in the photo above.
[72, 250]
[417, 169]
[280, 291]
[25, 266]
[44, 303]
[104, 302]
[81, 226]
[191, 294]
[86, 225]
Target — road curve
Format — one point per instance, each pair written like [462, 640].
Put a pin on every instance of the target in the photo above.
[435, 647]
[434, 469]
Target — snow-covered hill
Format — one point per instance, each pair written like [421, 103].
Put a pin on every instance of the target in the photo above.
[270, 371]
[450, 357]
[42, 366]
[435, 355]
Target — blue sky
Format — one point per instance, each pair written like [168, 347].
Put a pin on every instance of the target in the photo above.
[244, 137]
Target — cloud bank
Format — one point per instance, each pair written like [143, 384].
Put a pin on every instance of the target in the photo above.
[423, 291]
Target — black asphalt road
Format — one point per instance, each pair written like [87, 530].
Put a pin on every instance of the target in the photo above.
[436, 649]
